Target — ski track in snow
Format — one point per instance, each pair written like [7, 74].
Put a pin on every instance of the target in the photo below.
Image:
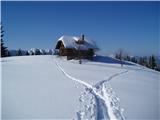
[111, 77]
[106, 101]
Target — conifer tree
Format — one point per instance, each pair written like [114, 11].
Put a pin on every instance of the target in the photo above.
[133, 59]
[37, 52]
[152, 62]
[27, 53]
[3, 48]
[19, 52]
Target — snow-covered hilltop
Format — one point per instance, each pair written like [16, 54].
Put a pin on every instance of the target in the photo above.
[50, 87]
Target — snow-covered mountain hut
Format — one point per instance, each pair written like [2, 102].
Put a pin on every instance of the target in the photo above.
[76, 47]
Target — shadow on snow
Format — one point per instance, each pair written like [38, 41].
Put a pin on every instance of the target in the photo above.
[106, 59]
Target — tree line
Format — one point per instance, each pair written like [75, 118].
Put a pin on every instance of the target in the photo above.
[147, 61]
[33, 51]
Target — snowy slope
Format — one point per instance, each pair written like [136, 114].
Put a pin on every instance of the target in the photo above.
[52, 87]
[32, 87]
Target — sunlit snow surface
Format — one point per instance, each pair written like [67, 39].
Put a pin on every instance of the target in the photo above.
[50, 87]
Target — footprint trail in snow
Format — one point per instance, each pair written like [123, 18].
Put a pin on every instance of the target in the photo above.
[99, 101]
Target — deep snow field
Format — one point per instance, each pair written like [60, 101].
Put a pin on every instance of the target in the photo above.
[50, 87]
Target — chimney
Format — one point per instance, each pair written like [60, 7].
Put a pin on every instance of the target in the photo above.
[82, 37]
[81, 40]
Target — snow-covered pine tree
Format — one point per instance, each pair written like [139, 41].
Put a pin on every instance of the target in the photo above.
[26, 53]
[19, 52]
[3, 48]
[37, 51]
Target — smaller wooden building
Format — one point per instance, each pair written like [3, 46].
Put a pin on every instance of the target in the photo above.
[76, 47]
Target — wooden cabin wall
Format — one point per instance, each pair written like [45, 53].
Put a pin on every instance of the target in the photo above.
[62, 50]
[75, 54]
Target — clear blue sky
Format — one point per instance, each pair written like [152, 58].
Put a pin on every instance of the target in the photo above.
[132, 26]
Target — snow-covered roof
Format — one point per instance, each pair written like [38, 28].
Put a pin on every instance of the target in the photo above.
[71, 42]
